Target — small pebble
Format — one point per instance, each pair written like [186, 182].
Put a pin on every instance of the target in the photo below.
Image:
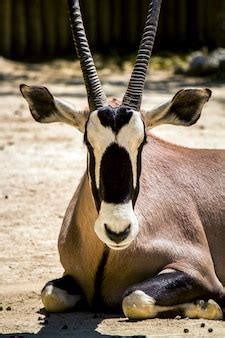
[1, 308]
[65, 327]
[186, 330]
[8, 308]
[202, 324]
[6, 197]
[178, 317]
[210, 329]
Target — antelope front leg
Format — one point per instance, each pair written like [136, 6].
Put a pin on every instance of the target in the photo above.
[172, 292]
[60, 295]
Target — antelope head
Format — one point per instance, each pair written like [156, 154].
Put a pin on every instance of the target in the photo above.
[115, 136]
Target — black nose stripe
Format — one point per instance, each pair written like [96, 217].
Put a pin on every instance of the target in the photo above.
[116, 176]
[117, 237]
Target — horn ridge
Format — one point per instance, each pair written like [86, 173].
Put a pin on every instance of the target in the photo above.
[133, 95]
[95, 93]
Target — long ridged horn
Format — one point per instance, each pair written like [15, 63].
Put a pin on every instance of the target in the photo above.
[133, 95]
[96, 95]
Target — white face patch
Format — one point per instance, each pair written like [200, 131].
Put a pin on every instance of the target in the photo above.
[100, 138]
[130, 137]
[117, 217]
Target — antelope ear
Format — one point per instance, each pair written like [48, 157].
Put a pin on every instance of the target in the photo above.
[184, 109]
[45, 108]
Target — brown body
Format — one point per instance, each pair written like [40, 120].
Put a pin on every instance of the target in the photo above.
[181, 213]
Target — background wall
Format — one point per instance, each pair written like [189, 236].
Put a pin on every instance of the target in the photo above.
[39, 28]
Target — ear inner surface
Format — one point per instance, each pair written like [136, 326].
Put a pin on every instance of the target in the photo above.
[184, 109]
[41, 102]
[45, 108]
[187, 104]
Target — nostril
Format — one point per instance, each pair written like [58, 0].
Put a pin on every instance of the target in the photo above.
[117, 237]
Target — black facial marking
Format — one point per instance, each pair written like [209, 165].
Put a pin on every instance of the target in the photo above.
[114, 118]
[116, 178]
[91, 169]
[136, 190]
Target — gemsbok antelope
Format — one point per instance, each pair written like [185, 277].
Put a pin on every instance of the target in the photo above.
[145, 229]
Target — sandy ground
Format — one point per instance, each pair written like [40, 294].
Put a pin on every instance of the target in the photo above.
[40, 167]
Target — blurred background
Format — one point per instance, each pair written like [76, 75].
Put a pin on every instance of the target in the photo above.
[39, 29]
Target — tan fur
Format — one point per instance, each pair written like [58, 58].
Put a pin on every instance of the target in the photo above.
[114, 102]
[80, 249]
[181, 215]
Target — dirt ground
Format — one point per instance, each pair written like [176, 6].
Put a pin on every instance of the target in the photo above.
[40, 167]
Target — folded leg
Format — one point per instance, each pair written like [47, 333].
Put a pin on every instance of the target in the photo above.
[174, 292]
[60, 295]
